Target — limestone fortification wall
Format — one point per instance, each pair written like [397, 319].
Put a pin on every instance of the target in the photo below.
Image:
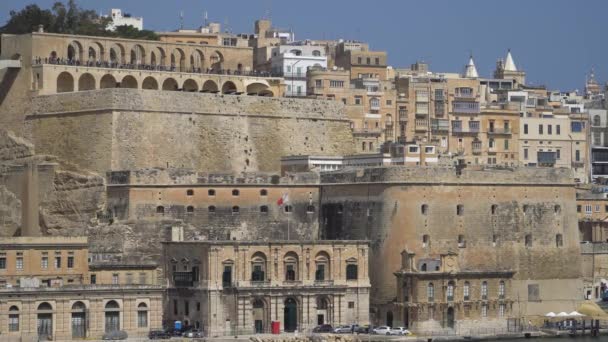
[122, 129]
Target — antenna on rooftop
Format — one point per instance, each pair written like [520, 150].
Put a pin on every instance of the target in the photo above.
[268, 9]
[181, 20]
[205, 18]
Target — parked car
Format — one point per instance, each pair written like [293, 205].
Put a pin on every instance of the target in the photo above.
[343, 329]
[362, 329]
[115, 335]
[159, 335]
[323, 328]
[401, 331]
[382, 330]
[194, 333]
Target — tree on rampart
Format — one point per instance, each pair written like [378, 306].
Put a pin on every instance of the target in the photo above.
[69, 19]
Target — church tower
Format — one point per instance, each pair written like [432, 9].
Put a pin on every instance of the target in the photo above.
[506, 69]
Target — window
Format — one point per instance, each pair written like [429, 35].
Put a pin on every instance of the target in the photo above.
[198, 306]
[368, 60]
[450, 291]
[533, 292]
[484, 290]
[310, 209]
[70, 261]
[588, 209]
[236, 209]
[264, 209]
[501, 310]
[190, 209]
[115, 279]
[2, 261]
[129, 278]
[540, 129]
[57, 261]
[186, 307]
[525, 128]
[357, 100]
[288, 208]
[557, 129]
[597, 208]
[211, 209]
[351, 305]
[389, 102]
[175, 306]
[424, 209]
[263, 192]
[506, 144]
[578, 208]
[557, 154]
[494, 209]
[13, 319]
[226, 277]
[351, 272]
[501, 289]
[559, 241]
[430, 292]
[557, 209]
[525, 153]
[93, 278]
[359, 60]
[189, 192]
[426, 240]
[460, 210]
[577, 155]
[462, 243]
[466, 290]
[319, 83]
[528, 240]
[484, 310]
[377, 61]
[494, 240]
[235, 192]
[44, 261]
[374, 103]
[142, 278]
[211, 192]
[336, 84]
[142, 315]
[549, 129]
[577, 126]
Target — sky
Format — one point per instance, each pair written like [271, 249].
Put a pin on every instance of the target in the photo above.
[556, 42]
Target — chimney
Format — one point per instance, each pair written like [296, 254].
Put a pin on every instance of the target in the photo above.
[29, 201]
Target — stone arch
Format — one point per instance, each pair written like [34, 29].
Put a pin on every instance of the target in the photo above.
[107, 81]
[210, 87]
[92, 55]
[290, 265]
[178, 59]
[161, 56]
[138, 55]
[197, 61]
[75, 51]
[117, 53]
[86, 82]
[65, 82]
[256, 88]
[190, 85]
[170, 84]
[229, 88]
[99, 51]
[149, 83]
[128, 82]
[217, 61]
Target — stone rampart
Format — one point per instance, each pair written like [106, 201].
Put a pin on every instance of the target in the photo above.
[126, 129]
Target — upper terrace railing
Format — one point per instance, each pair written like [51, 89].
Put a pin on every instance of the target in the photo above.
[151, 67]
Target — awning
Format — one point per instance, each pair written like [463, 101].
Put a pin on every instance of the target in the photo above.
[591, 309]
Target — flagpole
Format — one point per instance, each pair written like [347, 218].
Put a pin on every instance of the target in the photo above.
[288, 216]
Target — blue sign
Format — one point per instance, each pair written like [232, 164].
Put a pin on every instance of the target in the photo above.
[177, 325]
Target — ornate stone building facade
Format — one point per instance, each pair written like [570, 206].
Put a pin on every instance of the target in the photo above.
[240, 287]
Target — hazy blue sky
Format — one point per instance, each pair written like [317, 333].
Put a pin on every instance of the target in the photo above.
[555, 41]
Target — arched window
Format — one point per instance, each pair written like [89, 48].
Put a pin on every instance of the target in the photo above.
[484, 290]
[501, 289]
[316, 53]
[13, 318]
[559, 240]
[189, 192]
[211, 209]
[424, 209]
[264, 209]
[430, 292]
[466, 290]
[160, 210]
[142, 315]
[528, 240]
[236, 209]
[351, 272]
[112, 316]
[290, 263]
[258, 267]
[263, 192]
[235, 192]
[450, 291]
[322, 266]
[423, 267]
[190, 209]
[211, 192]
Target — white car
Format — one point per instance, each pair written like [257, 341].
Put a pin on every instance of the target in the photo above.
[343, 329]
[401, 331]
[383, 330]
